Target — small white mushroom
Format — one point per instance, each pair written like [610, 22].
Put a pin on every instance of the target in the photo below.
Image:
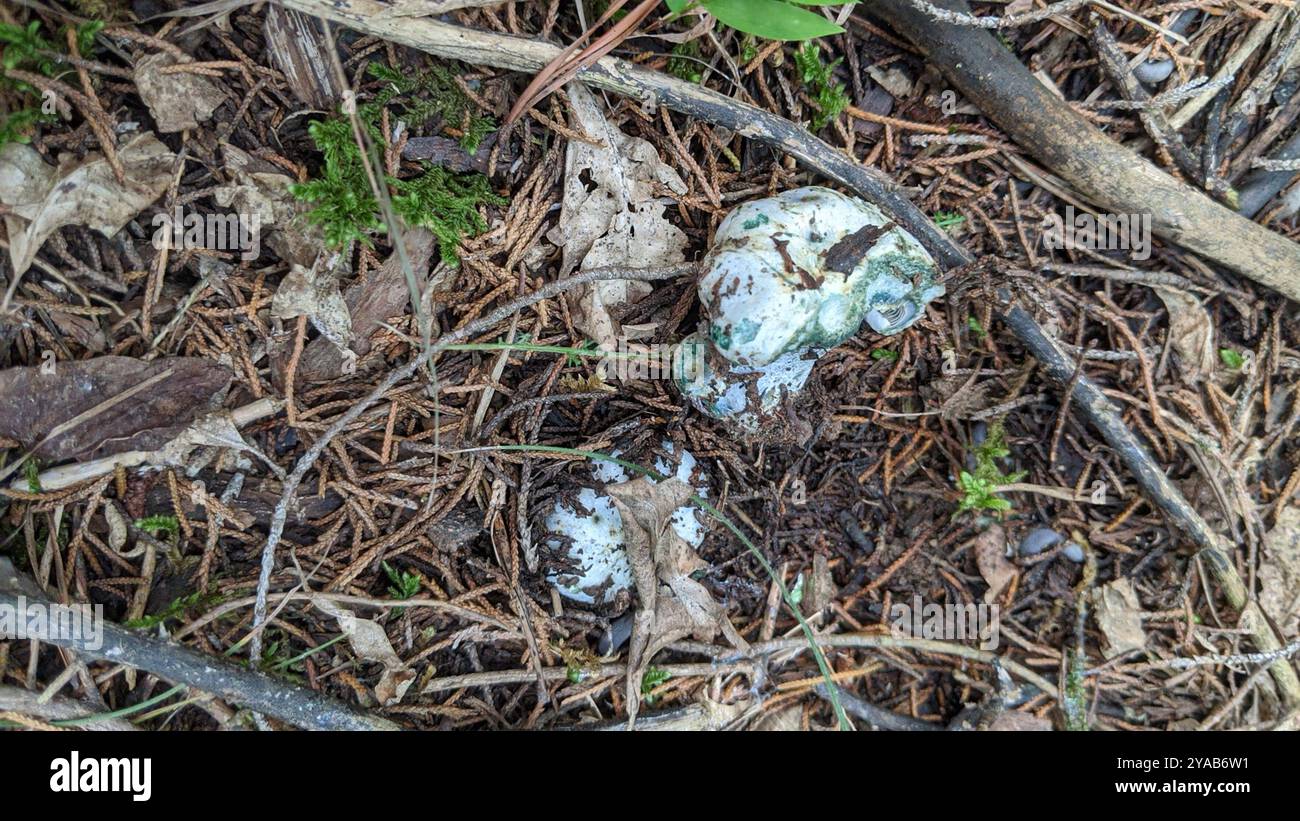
[586, 533]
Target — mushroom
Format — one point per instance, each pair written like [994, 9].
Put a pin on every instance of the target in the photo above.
[787, 279]
[584, 530]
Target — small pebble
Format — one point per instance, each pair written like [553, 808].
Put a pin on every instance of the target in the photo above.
[1154, 71]
[1074, 553]
[1038, 540]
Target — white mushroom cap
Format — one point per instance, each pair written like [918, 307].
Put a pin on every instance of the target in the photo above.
[768, 291]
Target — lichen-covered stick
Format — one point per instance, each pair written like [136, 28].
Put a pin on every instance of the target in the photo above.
[280, 699]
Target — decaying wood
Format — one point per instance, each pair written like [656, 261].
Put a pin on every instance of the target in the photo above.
[298, 48]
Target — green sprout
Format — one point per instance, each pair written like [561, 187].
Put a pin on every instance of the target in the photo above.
[979, 489]
[404, 585]
[947, 219]
[685, 62]
[653, 677]
[198, 600]
[582, 350]
[830, 95]
[154, 525]
[1231, 358]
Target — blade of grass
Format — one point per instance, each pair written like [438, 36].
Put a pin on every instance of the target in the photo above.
[123, 712]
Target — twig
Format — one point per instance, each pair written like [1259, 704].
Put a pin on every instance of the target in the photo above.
[1102, 170]
[275, 697]
[16, 700]
[727, 660]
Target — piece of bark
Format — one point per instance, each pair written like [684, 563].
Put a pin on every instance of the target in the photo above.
[299, 50]
[448, 153]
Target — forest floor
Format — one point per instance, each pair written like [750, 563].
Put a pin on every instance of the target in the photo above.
[938, 466]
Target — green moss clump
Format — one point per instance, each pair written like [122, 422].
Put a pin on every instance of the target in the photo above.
[818, 77]
[444, 202]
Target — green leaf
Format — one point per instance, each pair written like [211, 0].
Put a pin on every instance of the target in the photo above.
[771, 19]
[679, 6]
[824, 2]
[1231, 358]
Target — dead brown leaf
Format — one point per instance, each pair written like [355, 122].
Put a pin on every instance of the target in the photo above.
[259, 191]
[1279, 571]
[991, 558]
[1119, 615]
[369, 641]
[1191, 332]
[611, 215]
[178, 101]
[36, 404]
[382, 295]
[43, 199]
[672, 604]
[314, 293]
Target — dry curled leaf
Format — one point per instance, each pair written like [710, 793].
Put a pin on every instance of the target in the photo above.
[261, 193]
[314, 293]
[371, 302]
[170, 393]
[1191, 332]
[991, 558]
[672, 604]
[178, 101]
[611, 215]
[1119, 615]
[369, 641]
[42, 199]
[213, 430]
